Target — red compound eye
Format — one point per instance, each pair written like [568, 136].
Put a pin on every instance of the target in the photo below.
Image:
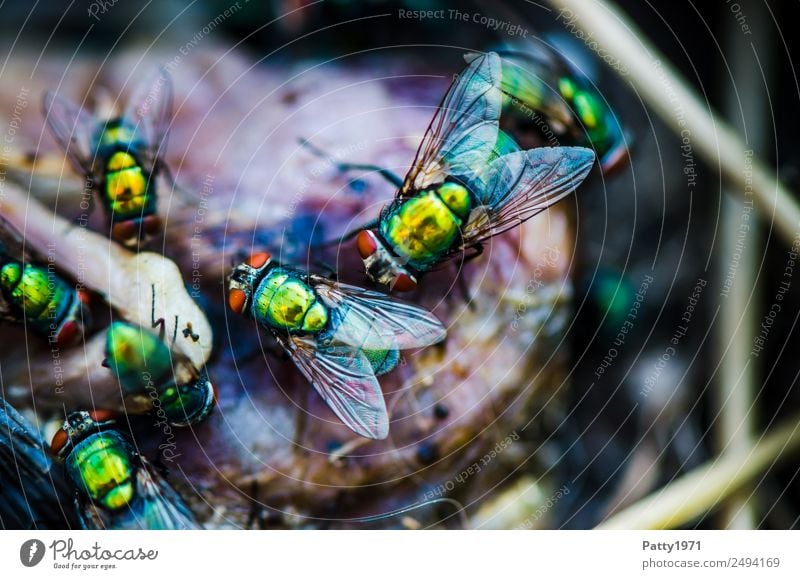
[366, 244]
[84, 296]
[236, 300]
[151, 225]
[60, 440]
[615, 160]
[258, 259]
[404, 283]
[69, 334]
[125, 232]
[101, 415]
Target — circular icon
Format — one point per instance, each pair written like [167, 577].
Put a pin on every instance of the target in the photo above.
[31, 553]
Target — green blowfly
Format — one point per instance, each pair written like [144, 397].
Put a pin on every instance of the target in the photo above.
[117, 488]
[155, 376]
[468, 183]
[545, 99]
[339, 336]
[32, 292]
[120, 157]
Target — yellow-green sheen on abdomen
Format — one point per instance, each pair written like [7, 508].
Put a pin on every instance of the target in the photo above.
[101, 466]
[422, 229]
[125, 185]
[41, 296]
[284, 301]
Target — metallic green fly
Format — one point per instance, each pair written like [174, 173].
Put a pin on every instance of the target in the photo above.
[117, 488]
[548, 101]
[339, 336]
[120, 157]
[468, 183]
[32, 292]
[155, 376]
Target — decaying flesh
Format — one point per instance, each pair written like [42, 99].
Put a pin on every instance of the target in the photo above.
[272, 453]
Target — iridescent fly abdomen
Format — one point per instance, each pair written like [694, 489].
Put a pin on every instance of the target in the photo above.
[422, 229]
[117, 487]
[149, 371]
[101, 465]
[127, 190]
[42, 299]
[284, 301]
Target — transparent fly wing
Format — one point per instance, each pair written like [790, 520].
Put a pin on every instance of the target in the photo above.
[376, 321]
[149, 111]
[162, 506]
[346, 381]
[504, 145]
[519, 185]
[463, 131]
[73, 128]
[156, 506]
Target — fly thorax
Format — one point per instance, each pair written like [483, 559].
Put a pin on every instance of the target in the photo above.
[116, 134]
[285, 301]
[422, 228]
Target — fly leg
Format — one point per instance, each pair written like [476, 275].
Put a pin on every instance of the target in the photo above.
[271, 347]
[302, 420]
[347, 236]
[330, 271]
[477, 250]
[256, 515]
[391, 177]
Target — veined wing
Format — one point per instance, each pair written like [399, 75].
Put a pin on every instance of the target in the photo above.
[375, 321]
[163, 507]
[149, 110]
[73, 128]
[157, 506]
[344, 378]
[519, 185]
[462, 134]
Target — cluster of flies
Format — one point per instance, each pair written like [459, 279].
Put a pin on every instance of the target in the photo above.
[470, 181]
